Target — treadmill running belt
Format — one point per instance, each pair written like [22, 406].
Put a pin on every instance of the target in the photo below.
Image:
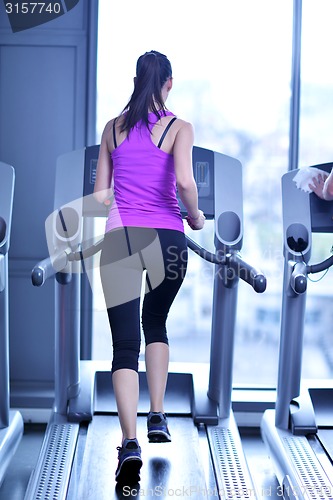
[169, 469]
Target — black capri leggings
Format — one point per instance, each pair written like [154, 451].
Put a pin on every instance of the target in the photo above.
[126, 253]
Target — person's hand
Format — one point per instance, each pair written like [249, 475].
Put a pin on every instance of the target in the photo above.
[197, 222]
[317, 185]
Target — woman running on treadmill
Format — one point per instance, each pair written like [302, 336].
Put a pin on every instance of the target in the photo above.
[145, 154]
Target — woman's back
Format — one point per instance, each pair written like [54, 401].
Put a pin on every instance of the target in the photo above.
[144, 179]
[142, 174]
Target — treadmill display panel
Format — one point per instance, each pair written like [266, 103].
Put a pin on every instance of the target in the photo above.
[203, 171]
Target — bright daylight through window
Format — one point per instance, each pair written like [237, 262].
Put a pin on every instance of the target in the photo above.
[232, 70]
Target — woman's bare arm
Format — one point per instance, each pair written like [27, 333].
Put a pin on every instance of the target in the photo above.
[104, 172]
[328, 187]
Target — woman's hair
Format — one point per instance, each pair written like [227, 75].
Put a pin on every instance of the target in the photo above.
[153, 69]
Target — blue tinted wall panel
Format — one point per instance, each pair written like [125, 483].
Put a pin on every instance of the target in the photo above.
[38, 110]
[47, 106]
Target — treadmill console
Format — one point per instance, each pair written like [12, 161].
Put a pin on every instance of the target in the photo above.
[203, 170]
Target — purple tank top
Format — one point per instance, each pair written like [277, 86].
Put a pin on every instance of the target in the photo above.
[144, 183]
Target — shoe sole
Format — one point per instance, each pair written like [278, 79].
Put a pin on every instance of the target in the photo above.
[158, 437]
[129, 473]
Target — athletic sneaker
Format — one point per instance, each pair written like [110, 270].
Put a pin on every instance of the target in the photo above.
[129, 465]
[157, 425]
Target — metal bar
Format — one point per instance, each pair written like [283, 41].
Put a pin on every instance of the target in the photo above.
[291, 348]
[248, 273]
[67, 342]
[4, 350]
[48, 268]
[91, 72]
[295, 86]
[86, 296]
[321, 266]
[222, 339]
[203, 253]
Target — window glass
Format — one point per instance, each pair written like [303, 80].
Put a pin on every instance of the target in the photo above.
[316, 148]
[231, 67]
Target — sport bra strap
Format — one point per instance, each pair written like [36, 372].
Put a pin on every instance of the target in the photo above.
[166, 131]
[114, 133]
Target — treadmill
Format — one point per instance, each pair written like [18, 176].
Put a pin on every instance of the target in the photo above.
[299, 432]
[11, 422]
[78, 457]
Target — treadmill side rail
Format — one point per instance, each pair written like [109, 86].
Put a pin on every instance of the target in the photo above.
[296, 466]
[50, 478]
[230, 465]
[10, 438]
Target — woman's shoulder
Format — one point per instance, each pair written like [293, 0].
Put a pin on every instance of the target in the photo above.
[184, 123]
[108, 127]
[184, 127]
[110, 123]
[184, 135]
[179, 121]
[111, 126]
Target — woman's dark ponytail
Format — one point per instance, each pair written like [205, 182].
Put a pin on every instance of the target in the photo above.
[152, 71]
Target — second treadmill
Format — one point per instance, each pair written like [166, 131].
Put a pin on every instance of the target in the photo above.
[300, 441]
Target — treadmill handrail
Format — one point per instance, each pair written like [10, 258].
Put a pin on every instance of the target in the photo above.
[298, 277]
[2, 273]
[87, 252]
[244, 270]
[248, 273]
[205, 254]
[48, 267]
[3, 232]
[321, 266]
